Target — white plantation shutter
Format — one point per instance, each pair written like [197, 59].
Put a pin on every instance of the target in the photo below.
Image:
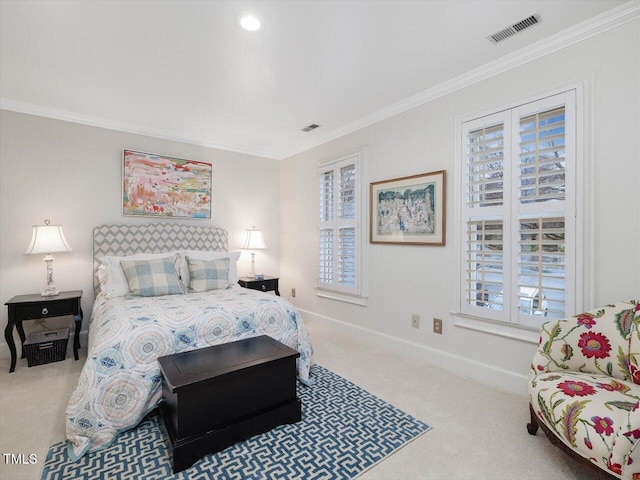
[348, 192]
[542, 156]
[339, 226]
[485, 263]
[325, 256]
[485, 211]
[544, 213]
[485, 148]
[326, 196]
[518, 213]
[347, 257]
[325, 236]
[541, 267]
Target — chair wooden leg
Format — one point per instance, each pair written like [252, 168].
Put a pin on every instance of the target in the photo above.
[532, 427]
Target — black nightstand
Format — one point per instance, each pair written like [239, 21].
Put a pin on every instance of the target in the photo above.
[34, 307]
[269, 284]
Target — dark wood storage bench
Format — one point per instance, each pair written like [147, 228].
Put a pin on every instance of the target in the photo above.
[220, 395]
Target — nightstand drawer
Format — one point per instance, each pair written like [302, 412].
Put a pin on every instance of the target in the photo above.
[264, 285]
[52, 309]
[268, 284]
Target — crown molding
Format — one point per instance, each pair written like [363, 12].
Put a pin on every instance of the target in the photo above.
[40, 111]
[609, 20]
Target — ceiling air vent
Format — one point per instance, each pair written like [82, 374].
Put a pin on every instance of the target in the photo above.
[515, 28]
[308, 128]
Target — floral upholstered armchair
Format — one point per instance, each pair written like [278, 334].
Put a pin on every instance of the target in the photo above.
[584, 387]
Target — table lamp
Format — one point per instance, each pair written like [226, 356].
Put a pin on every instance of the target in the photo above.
[253, 240]
[48, 239]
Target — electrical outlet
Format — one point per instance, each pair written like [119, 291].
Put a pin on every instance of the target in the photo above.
[415, 320]
[437, 326]
[293, 293]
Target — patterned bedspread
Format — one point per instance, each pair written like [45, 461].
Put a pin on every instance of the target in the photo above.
[121, 380]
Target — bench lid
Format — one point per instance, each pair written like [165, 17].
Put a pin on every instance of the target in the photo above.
[187, 368]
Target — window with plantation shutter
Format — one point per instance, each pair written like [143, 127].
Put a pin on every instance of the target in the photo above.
[519, 248]
[339, 227]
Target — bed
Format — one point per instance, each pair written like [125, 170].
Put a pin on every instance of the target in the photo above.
[120, 381]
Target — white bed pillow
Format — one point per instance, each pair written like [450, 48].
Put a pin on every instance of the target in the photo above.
[111, 277]
[208, 256]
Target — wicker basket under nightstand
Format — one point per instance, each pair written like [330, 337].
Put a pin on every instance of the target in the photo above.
[46, 347]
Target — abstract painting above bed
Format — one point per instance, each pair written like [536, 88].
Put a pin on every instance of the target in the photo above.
[121, 380]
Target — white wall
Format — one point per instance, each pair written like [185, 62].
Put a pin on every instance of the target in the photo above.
[411, 279]
[71, 174]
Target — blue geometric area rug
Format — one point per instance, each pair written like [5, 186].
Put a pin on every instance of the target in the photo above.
[343, 432]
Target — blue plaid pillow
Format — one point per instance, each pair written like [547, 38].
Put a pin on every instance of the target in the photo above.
[151, 278]
[208, 275]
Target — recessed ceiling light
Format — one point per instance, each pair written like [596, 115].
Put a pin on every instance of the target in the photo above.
[249, 22]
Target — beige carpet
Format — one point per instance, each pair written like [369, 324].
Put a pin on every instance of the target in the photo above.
[478, 432]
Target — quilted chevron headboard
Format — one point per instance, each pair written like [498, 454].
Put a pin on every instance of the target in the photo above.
[122, 240]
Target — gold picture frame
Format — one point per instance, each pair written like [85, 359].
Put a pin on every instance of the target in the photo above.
[409, 210]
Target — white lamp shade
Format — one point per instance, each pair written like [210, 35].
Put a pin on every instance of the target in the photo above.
[48, 239]
[254, 240]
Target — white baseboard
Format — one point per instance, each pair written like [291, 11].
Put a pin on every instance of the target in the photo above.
[488, 374]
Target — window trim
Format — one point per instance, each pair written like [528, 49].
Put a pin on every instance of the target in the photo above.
[500, 329]
[582, 199]
[359, 294]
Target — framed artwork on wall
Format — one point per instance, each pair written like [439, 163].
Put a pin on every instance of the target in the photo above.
[161, 186]
[409, 210]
